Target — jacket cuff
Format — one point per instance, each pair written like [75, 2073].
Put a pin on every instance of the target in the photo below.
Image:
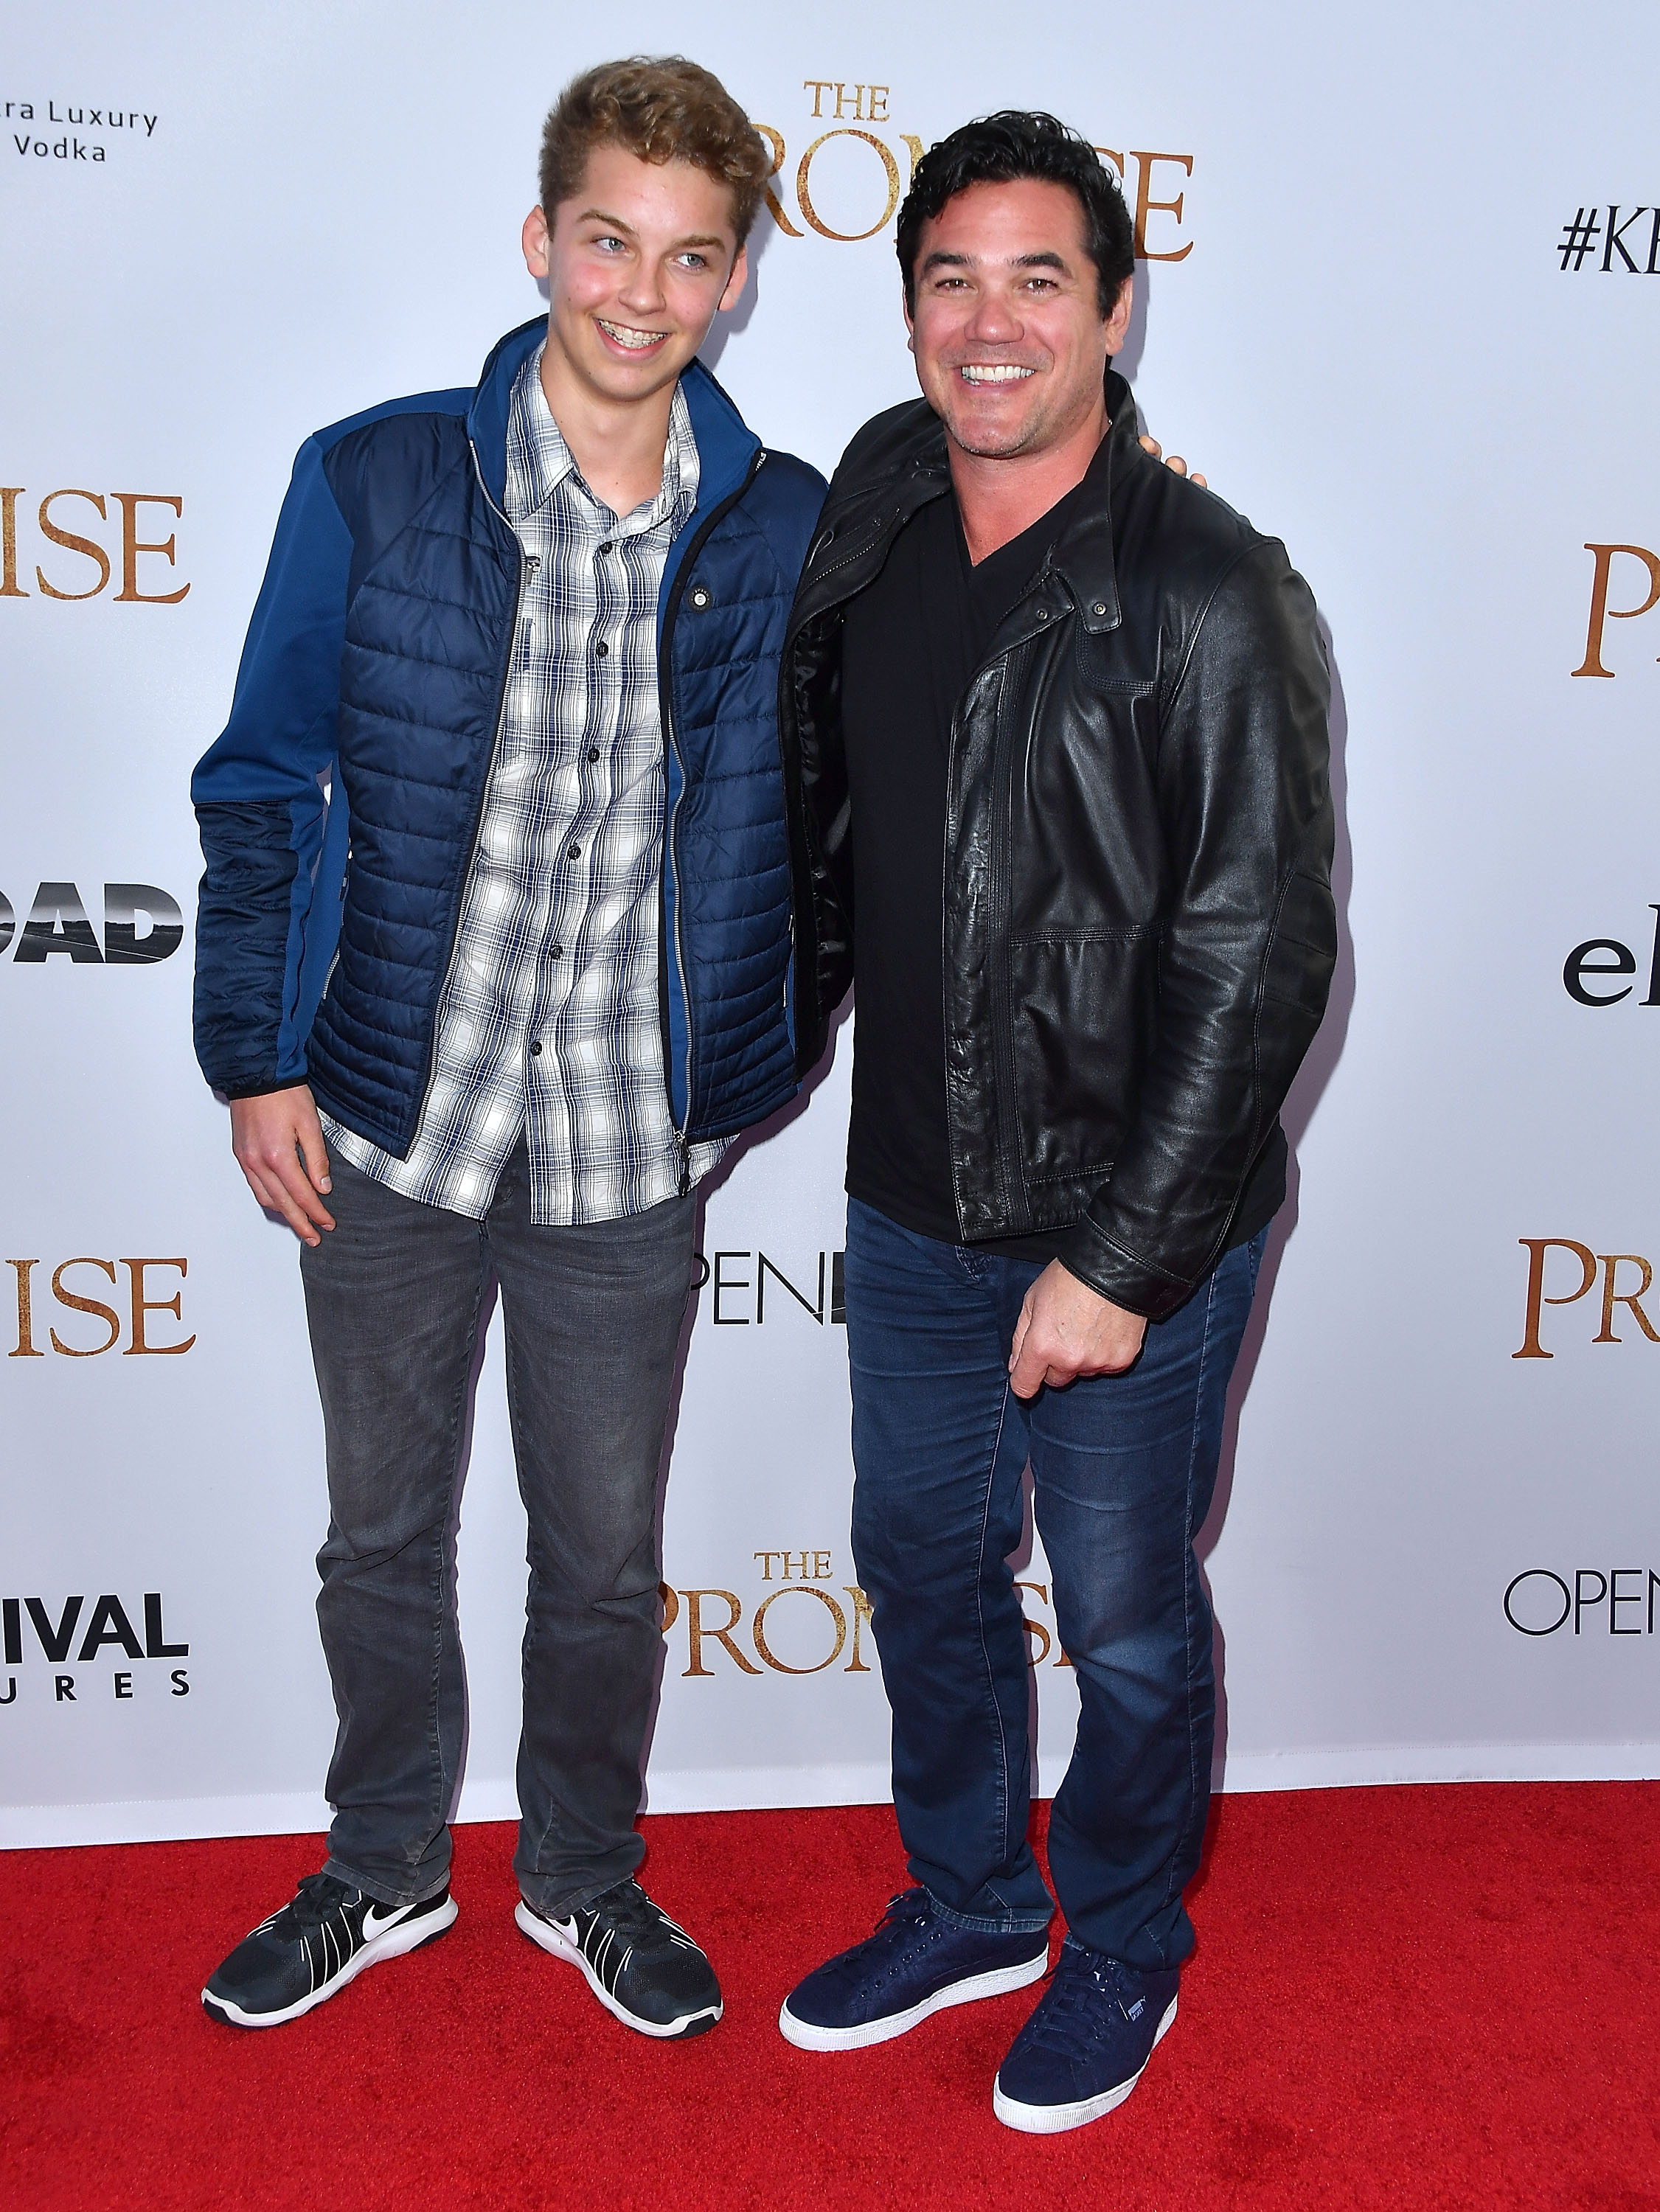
[1108, 1269]
[236, 1090]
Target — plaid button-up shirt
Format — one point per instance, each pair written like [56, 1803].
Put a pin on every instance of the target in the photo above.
[549, 1021]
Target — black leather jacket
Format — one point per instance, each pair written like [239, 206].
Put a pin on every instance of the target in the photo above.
[1139, 926]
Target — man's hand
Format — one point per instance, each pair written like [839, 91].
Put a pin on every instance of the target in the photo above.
[1065, 1330]
[1175, 462]
[278, 1142]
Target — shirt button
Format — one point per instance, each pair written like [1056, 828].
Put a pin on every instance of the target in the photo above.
[532, 560]
[602, 649]
[558, 951]
[593, 752]
[576, 852]
[536, 1049]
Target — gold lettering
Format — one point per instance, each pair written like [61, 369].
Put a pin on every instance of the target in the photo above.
[87, 546]
[1035, 1627]
[1146, 205]
[9, 589]
[861, 1615]
[1108, 154]
[875, 114]
[696, 1631]
[131, 547]
[821, 1566]
[914, 144]
[26, 1345]
[671, 1607]
[68, 1298]
[1611, 1299]
[1600, 609]
[804, 193]
[825, 1599]
[775, 140]
[142, 1305]
[1537, 1247]
[818, 85]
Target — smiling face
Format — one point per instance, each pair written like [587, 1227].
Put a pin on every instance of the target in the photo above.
[1011, 345]
[636, 263]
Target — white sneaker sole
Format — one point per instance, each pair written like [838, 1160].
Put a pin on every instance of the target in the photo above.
[393, 1943]
[806, 2037]
[550, 1939]
[1055, 2120]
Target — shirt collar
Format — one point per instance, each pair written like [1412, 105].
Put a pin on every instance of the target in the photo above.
[539, 461]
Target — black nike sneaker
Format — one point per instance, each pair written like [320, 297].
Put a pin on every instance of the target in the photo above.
[313, 1947]
[639, 1963]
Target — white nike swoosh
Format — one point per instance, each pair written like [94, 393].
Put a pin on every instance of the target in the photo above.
[373, 1926]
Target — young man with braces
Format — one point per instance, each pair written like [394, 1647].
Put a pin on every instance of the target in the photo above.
[499, 1003]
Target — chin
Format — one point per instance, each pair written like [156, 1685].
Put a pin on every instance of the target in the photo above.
[988, 441]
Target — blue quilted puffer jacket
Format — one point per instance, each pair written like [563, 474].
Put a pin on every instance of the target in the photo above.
[376, 665]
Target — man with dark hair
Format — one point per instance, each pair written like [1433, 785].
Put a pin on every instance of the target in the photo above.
[522, 975]
[1095, 698]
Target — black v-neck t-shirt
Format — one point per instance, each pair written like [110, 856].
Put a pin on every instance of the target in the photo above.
[911, 641]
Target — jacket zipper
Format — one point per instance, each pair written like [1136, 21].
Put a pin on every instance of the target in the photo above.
[874, 528]
[483, 789]
[666, 711]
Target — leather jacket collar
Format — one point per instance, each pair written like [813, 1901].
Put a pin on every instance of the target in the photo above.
[900, 462]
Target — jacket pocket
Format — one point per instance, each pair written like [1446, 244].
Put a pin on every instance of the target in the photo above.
[1082, 1008]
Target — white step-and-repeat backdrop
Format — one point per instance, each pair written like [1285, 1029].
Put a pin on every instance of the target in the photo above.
[1400, 297]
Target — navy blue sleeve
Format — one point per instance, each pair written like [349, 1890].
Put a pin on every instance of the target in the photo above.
[260, 806]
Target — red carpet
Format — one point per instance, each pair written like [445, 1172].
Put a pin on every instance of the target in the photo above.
[1402, 1998]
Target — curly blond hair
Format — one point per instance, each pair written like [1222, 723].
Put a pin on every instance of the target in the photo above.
[660, 108]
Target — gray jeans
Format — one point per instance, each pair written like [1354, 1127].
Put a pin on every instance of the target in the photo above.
[393, 1296]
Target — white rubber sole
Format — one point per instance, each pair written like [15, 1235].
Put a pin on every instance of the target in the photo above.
[408, 1935]
[547, 1938]
[805, 2037]
[1055, 2120]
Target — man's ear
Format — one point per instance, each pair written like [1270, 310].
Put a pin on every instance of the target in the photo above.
[534, 239]
[736, 282]
[1118, 322]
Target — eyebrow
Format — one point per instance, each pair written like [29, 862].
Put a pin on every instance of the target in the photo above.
[1046, 259]
[616, 223]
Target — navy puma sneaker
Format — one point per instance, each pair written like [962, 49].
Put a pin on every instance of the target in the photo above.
[915, 1963]
[1084, 2048]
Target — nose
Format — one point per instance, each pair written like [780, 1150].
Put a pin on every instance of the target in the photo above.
[643, 290]
[994, 321]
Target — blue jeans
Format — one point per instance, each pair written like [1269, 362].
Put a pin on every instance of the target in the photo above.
[1123, 1467]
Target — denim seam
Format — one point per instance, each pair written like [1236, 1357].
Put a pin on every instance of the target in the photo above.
[980, 1617]
[534, 1631]
[440, 1536]
[1189, 1568]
